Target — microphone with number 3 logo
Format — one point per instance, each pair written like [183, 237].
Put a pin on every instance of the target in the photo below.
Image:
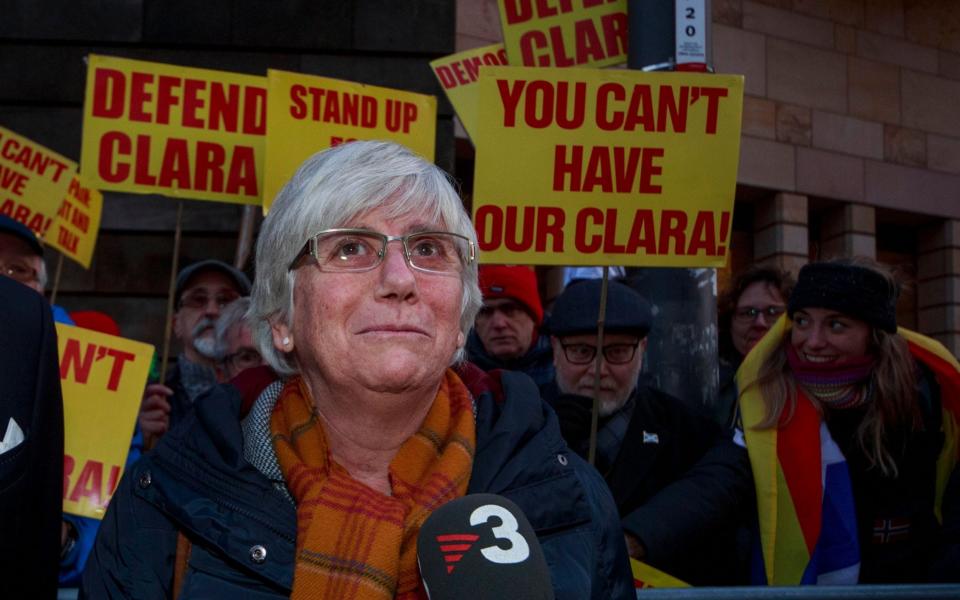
[481, 546]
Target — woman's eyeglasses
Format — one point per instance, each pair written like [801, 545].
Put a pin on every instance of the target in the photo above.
[356, 250]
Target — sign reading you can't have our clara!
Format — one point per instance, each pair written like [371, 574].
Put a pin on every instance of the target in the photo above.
[102, 377]
[33, 181]
[615, 167]
[152, 128]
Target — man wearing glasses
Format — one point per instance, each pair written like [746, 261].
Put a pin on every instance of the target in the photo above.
[21, 255]
[203, 290]
[678, 479]
[236, 350]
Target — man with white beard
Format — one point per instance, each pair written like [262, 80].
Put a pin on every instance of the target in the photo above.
[203, 289]
[679, 480]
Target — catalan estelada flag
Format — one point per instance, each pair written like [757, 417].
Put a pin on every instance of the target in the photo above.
[805, 505]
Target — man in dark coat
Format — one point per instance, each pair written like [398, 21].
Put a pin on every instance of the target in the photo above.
[203, 289]
[31, 448]
[677, 477]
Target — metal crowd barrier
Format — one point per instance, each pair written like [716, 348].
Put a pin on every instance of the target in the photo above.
[806, 592]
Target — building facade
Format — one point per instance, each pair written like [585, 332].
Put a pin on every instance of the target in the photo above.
[850, 141]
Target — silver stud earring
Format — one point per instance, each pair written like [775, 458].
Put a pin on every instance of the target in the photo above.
[286, 341]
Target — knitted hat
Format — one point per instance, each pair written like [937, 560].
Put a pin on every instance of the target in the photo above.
[518, 283]
[852, 290]
[240, 281]
[95, 320]
[577, 308]
[18, 229]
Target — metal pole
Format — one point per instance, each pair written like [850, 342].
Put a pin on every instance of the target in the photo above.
[56, 279]
[170, 292]
[245, 236]
[595, 413]
[681, 357]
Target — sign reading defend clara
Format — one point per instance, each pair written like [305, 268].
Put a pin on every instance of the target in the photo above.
[308, 114]
[153, 128]
[564, 33]
[606, 167]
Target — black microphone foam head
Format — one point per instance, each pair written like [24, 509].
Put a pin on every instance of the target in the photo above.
[481, 546]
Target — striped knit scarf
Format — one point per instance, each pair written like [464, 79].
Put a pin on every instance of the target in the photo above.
[836, 386]
[354, 542]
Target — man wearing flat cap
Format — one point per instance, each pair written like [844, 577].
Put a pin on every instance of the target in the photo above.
[677, 477]
[202, 290]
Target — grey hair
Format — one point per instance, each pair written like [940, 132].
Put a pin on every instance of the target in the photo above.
[330, 189]
[232, 314]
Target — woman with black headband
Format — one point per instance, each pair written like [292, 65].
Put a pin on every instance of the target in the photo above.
[851, 424]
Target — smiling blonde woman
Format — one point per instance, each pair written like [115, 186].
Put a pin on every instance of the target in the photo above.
[851, 427]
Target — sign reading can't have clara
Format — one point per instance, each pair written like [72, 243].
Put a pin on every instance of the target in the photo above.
[102, 377]
[606, 167]
[153, 128]
[33, 181]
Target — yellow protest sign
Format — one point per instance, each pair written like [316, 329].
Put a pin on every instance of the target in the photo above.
[458, 74]
[102, 377]
[77, 223]
[564, 33]
[153, 128]
[606, 167]
[307, 114]
[647, 576]
[33, 181]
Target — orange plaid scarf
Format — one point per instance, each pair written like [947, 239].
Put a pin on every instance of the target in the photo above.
[354, 542]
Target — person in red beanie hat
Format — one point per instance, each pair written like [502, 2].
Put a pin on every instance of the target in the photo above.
[506, 334]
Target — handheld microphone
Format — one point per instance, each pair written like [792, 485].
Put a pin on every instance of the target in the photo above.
[481, 546]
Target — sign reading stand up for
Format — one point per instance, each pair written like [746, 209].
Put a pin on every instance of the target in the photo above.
[309, 114]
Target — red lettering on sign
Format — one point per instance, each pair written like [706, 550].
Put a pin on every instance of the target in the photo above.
[331, 106]
[608, 169]
[399, 115]
[713, 96]
[26, 215]
[32, 159]
[67, 239]
[673, 225]
[81, 360]
[120, 359]
[542, 228]
[68, 465]
[13, 181]
[520, 11]
[547, 48]
[193, 103]
[90, 484]
[150, 98]
[596, 231]
[210, 171]
[468, 70]
[112, 144]
[586, 217]
[71, 358]
[109, 89]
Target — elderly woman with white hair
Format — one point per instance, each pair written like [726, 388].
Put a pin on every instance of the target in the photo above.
[366, 287]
